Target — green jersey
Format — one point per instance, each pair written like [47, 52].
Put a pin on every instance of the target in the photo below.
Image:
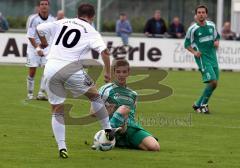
[201, 38]
[113, 93]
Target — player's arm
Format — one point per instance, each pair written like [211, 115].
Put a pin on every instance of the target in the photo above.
[97, 44]
[31, 31]
[32, 41]
[107, 69]
[188, 45]
[217, 38]
[37, 48]
[43, 30]
[194, 52]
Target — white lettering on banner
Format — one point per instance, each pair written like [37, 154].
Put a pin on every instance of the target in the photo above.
[143, 52]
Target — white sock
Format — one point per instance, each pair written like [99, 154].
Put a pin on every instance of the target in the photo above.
[58, 127]
[30, 84]
[42, 85]
[101, 112]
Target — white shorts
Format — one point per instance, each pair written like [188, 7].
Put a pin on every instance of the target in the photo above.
[61, 77]
[34, 60]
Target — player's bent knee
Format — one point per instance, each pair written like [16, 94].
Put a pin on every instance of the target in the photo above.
[57, 108]
[154, 147]
[150, 144]
[124, 110]
[92, 94]
[214, 84]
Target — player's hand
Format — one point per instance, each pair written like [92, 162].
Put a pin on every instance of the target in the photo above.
[107, 77]
[124, 128]
[39, 51]
[216, 44]
[197, 54]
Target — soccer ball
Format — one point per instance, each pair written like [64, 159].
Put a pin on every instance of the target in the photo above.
[102, 143]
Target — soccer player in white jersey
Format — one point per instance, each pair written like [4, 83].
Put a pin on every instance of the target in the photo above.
[35, 56]
[72, 39]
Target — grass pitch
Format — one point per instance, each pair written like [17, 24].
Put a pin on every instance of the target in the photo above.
[187, 139]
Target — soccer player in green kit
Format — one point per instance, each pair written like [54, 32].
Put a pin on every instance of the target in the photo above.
[202, 40]
[120, 102]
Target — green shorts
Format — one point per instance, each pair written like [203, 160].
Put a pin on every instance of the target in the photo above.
[133, 136]
[210, 73]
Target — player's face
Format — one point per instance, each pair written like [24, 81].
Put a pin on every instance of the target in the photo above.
[44, 6]
[121, 73]
[201, 14]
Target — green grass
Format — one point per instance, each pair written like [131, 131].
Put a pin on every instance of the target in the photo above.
[26, 139]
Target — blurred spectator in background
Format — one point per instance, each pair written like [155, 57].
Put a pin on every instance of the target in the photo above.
[176, 29]
[227, 33]
[60, 15]
[155, 25]
[123, 28]
[3, 23]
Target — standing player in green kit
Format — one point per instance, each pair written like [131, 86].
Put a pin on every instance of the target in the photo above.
[202, 40]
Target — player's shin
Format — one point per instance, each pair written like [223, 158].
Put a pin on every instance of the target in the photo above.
[42, 85]
[30, 84]
[204, 98]
[58, 127]
[101, 112]
[207, 93]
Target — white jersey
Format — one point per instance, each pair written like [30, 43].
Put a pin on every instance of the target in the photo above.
[72, 39]
[33, 22]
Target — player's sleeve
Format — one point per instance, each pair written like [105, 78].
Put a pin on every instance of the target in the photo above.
[97, 43]
[31, 31]
[187, 41]
[103, 93]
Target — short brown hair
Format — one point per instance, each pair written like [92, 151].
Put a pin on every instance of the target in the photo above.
[41, 1]
[201, 6]
[86, 10]
[120, 62]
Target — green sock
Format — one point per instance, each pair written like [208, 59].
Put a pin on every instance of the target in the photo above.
[117, 120]
[204, 98]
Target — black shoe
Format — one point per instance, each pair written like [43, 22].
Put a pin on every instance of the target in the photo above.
[110, 133]
[205, 109]
[63, 153]
[196, 108]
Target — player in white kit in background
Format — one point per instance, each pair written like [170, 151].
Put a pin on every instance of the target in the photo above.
[35, 56]
[72, 39]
